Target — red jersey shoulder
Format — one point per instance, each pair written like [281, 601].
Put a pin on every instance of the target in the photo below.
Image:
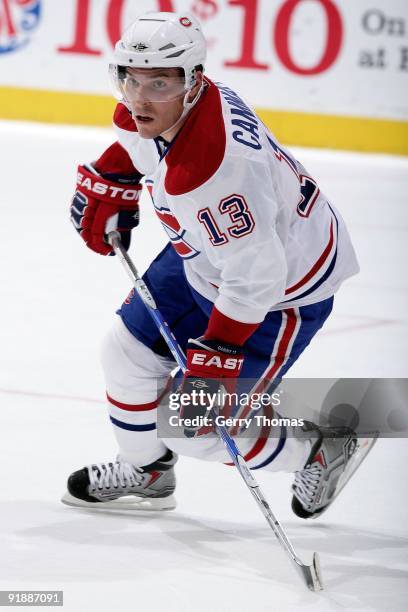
[123, 119]
[200, 146]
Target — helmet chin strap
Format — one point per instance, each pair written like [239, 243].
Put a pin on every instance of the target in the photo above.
[187, 106]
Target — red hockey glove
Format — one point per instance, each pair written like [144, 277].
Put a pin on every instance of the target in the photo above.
[100, 200]
[211, 364]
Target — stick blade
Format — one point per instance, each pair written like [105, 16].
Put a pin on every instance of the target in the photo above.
[312, 574]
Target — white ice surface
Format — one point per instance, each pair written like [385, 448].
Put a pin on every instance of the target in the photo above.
[215, 551]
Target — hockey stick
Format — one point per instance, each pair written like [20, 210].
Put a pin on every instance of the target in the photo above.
[310, 573]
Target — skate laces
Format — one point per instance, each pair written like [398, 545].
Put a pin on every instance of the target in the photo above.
[120, 473]
[306, 484]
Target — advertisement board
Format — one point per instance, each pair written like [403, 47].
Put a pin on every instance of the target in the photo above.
[320, 72]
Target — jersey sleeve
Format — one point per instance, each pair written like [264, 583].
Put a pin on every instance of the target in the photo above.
[237, 214]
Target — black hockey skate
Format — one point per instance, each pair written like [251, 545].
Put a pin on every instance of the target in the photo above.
[120, 485]
[335, 456]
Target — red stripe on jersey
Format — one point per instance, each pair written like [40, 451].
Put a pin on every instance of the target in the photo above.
[278, 361]
[133, 407]
[199, 148]
[319, 263]
[167, 218]
[181, 248]
[291, 324]
[263, 436]
[142, 407]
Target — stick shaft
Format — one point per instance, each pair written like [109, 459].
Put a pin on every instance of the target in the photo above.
[310, 574]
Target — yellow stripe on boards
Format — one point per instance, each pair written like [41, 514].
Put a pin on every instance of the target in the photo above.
[334, 132]
[56, 106]
[292, 128]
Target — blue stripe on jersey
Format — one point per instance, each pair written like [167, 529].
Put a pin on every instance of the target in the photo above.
[325, 275]
[318, 283]
[148, 427]
[275, 453]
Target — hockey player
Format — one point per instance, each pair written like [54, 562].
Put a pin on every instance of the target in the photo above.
[255, 254]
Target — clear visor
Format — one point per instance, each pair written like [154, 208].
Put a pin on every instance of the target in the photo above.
[134, 84]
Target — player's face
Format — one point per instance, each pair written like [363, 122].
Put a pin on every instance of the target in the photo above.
[155, 97]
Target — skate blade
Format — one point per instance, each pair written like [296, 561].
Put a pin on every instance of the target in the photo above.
[136, 504]
[363, 448]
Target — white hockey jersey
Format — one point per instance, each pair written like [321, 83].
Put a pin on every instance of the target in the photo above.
[255, 232]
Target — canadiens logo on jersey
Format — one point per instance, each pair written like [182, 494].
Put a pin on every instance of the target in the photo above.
[173, 229]
[18, 20]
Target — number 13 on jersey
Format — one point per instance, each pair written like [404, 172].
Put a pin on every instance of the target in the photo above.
[242, 221]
